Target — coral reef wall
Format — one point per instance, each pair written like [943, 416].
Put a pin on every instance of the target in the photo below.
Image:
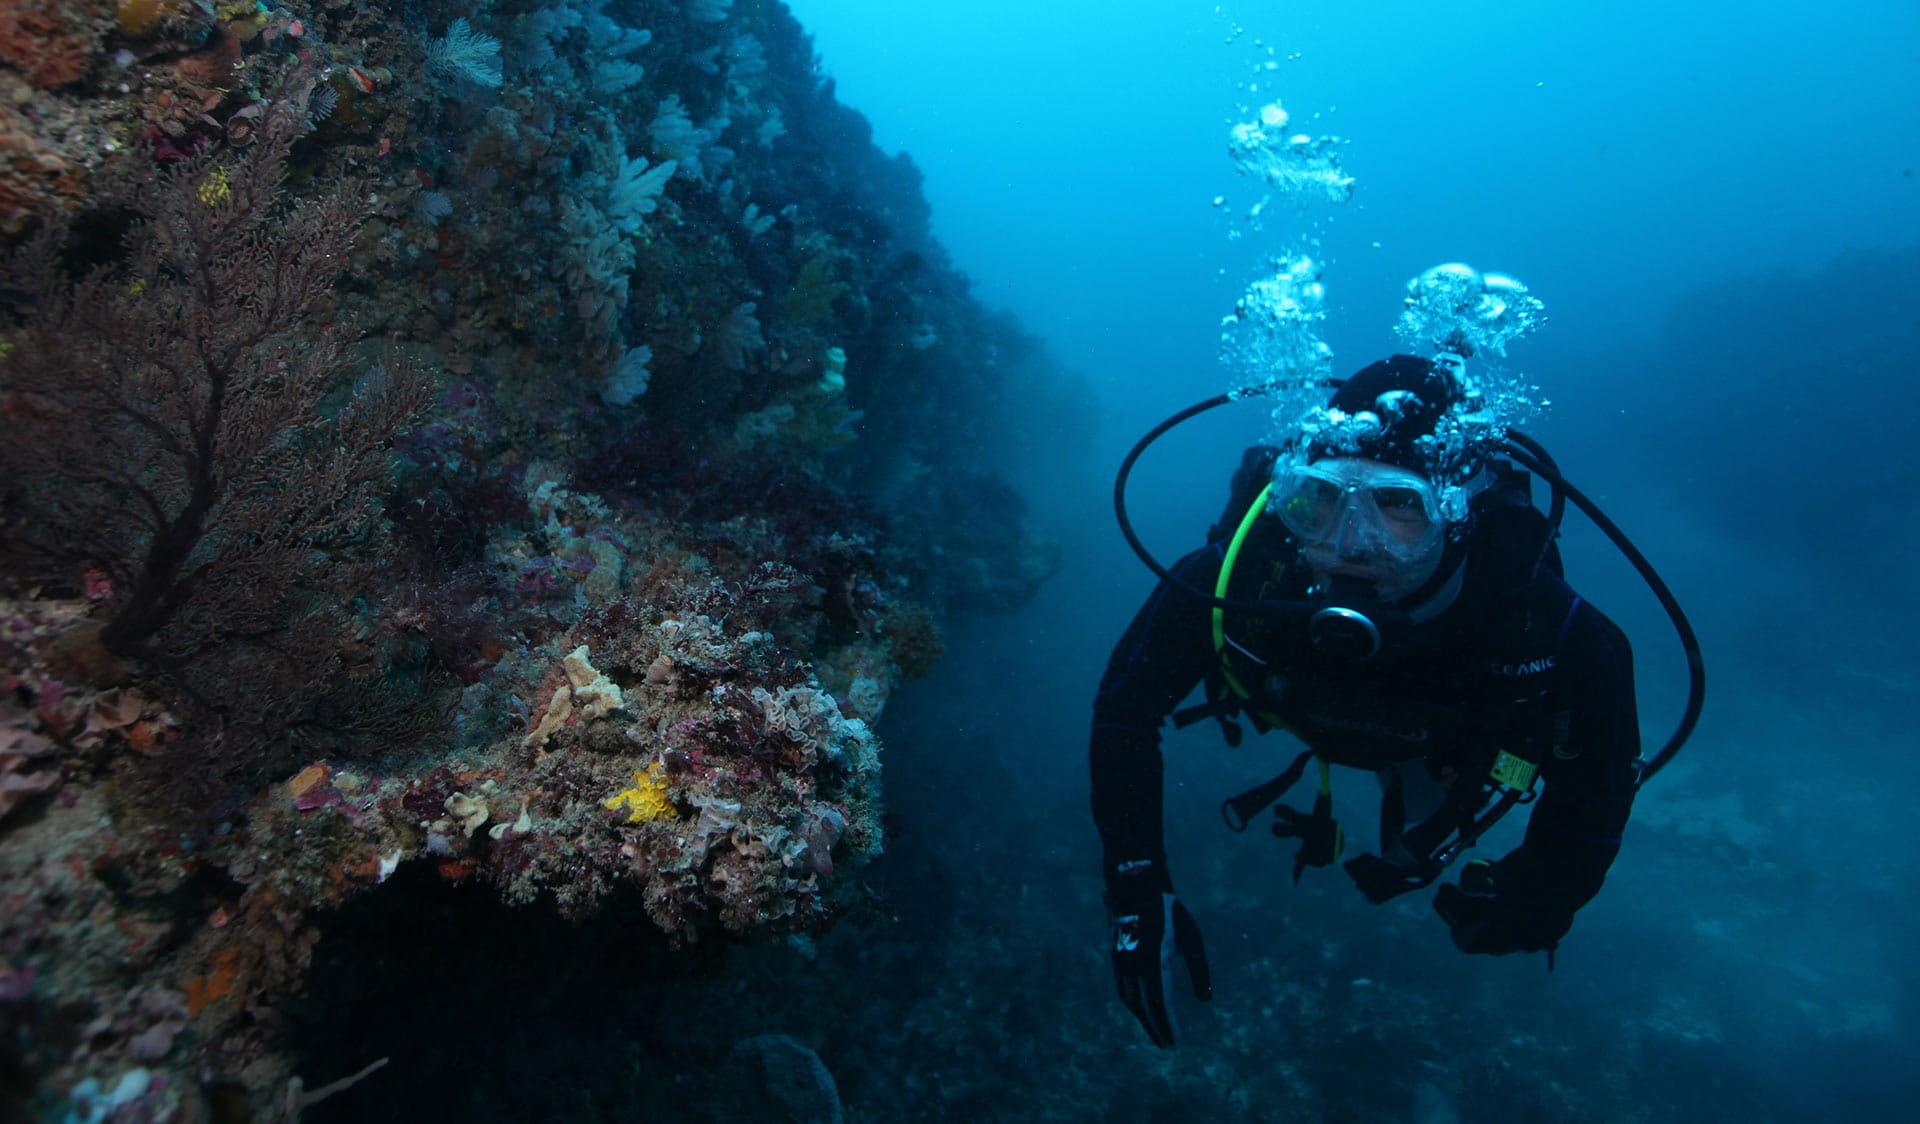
[522, 442]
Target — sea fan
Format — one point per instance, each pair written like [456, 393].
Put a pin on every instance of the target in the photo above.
[465, 54]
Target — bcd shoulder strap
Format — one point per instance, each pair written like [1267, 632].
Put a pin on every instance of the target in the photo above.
[1249, 480]
[1227, 697]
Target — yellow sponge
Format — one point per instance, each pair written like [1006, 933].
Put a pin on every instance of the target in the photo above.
[647, 800]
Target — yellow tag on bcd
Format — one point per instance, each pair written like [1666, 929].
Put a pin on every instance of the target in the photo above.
[1514, 772]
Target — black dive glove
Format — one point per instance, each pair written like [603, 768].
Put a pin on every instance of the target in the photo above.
[1149, 926]
[1486, 918]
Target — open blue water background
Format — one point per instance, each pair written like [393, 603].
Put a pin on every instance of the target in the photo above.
[1718, 203]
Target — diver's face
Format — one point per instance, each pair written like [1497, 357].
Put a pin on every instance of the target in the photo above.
[1391, 578]
[1366, 521]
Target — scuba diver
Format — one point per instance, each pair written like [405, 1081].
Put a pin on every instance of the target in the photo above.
[1384, 589]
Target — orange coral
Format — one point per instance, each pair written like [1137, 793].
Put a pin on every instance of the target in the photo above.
[148, 737]
[51, 42]
[212, 67]
[216, 984]
[307, 779]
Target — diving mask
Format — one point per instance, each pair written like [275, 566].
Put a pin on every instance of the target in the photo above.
[1360, 508]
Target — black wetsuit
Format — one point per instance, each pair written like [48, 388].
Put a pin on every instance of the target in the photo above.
[1517, 660]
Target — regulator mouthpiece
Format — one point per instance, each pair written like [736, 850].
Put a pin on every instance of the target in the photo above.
[1348, 626]
[1345, 634]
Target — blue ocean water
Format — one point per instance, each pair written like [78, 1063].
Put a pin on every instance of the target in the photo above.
[1717, 203]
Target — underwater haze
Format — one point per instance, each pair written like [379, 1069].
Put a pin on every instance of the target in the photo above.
[690, 431]
[1718, 204]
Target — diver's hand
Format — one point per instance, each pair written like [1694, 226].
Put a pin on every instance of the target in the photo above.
[1149, 926]
[1484, 919]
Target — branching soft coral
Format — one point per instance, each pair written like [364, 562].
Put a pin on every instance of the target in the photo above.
[168, 428]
